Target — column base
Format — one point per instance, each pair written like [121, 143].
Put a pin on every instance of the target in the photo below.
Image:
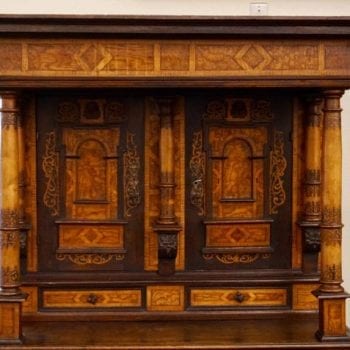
[10, 319]
[332, 317]
[323, 338]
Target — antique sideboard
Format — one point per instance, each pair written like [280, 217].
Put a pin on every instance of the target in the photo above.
[172, 169]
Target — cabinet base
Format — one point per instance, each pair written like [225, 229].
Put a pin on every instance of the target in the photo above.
[278, 333]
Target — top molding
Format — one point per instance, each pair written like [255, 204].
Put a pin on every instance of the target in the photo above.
[148, 26]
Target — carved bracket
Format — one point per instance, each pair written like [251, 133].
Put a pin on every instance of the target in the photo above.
[311, 239]
[167, 248]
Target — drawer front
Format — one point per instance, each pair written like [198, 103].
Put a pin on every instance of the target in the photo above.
[92, 298]
[228, 297]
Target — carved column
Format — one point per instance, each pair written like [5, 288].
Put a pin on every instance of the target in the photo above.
[331, 294]
[166, 226]
[10, 293]
[312, 186]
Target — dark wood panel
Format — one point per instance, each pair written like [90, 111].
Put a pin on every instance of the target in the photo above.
[279, 333]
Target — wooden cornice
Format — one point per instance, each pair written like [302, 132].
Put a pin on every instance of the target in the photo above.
[148, 26]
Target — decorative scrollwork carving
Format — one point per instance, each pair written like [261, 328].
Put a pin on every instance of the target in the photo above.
[68, 112]
[278, 165]
[132, 195]
[90, 258]
[115, 112]
[50, 168]
[91, 111]
[216, 110]
[237, 258]
[197, 168]
[262, 111]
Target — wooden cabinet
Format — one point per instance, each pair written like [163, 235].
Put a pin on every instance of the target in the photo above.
[169, 177]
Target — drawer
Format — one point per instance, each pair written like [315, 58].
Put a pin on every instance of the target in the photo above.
[92, 298]
[244, 297]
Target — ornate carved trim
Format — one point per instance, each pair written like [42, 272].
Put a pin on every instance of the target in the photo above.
[132, 195]
[278, 165]
[50, 168]
[333, 121]
[10, 275]
[332, 273]
[331, 215]
[332, 237]
[8, 239]
[9, 218]
[91, 111]
[262, 111]
[216, 110]
[237, 258]
[312, 241]
[90, 258]
[167, 245]
[9, 119]
[313, 176]
[68, 112]
[197, 168]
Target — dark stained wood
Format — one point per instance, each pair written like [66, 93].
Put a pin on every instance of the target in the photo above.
[251, 334]
[95, 25]
[106, 168]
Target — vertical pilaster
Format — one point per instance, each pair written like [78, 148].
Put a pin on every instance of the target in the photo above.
[10, 293]
[167, 226]
[331, 294]
[311, 217]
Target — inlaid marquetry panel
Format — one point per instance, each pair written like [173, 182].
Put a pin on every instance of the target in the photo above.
[76, 57]
[90, 236]
[165, 298]
[237, 171]
[91, 172]
[238, 297]
[30, 305]
[238, 235]
[9, 320]
[334, 317]
[152, 180]
[303, 299]
[91, 298]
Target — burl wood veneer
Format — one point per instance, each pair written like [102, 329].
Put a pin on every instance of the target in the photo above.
[165, 169]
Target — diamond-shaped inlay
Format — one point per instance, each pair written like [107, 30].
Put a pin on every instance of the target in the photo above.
[91, 236]
[253, 57]
[237, 234]
[86, 57]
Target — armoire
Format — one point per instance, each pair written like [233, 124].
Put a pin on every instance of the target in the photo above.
[172, 182]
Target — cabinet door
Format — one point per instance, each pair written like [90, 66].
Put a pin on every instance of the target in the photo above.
[239, 177]
[90, 163]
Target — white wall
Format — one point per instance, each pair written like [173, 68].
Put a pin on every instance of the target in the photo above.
[213, 7]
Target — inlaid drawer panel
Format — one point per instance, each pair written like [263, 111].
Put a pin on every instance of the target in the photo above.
[92, 298]
[244, 297]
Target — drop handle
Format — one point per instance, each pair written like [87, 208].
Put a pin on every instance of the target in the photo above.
[92, 299]
[239, 297]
